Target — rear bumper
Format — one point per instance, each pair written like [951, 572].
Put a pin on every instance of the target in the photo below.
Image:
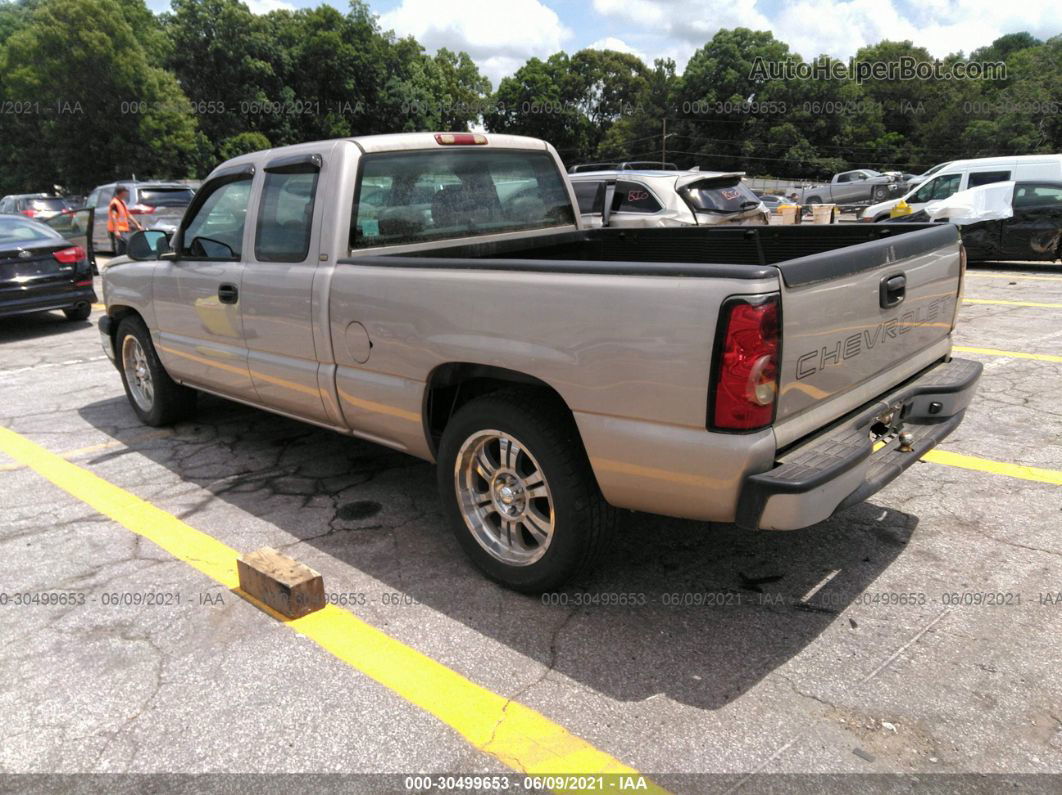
[840, 467]
[46, 298]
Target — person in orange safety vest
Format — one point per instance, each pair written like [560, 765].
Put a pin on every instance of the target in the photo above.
[118, 220]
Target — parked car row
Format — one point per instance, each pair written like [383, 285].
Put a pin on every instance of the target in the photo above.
[949, 178]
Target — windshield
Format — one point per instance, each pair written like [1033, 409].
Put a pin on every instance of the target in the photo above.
[165, 197]
[19, 232]
[410, 197]
[728, 195]
[936, 168]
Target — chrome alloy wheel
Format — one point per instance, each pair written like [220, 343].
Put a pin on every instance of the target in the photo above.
[137, 373]
[504, 497]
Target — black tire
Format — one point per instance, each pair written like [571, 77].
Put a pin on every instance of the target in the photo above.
[582, 520]
[813, 200]
[79, 312]
[170, 401]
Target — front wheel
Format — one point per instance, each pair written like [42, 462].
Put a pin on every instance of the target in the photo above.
[880, 192]
[519, 493]
[155, 397]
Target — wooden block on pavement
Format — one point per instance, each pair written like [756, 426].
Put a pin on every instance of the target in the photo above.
[289, 587]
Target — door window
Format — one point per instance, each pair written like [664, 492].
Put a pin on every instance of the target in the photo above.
[632, 197]
[590, 195]
[1027, 195]
[216, 229]
[937, 188]
[286, 215]
[986, 178]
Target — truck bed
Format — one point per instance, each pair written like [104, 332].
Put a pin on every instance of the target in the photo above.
[803, 254]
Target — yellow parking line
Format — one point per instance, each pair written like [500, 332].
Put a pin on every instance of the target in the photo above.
[1010, 303]
[516, 735]
[975, 274]
[96, 448]
[1037, 474]
[1041, 357]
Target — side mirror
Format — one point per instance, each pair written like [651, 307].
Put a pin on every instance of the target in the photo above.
[150, 244]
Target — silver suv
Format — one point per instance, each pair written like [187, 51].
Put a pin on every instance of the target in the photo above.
[654, 198]
[156, 205]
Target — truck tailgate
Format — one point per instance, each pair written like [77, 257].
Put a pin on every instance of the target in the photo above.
[869, 315]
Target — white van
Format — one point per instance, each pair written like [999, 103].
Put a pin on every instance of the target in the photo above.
[963, 174]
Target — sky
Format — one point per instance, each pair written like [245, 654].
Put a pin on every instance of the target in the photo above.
[502, 34]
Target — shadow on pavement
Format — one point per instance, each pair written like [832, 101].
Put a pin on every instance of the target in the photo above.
[722, 607]
[38, 324]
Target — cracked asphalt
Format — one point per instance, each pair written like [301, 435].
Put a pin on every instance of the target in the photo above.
[763, 680]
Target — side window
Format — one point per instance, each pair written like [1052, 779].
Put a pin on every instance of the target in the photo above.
[987, 178]
[1037, 196]
[590, 195]
[91, 200]
[846, 177]
[216, 229]
[632, 197]
[104, 197]
[285, 216]
[937, 188]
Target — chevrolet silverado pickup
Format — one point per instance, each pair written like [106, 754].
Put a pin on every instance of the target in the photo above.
[437, 293]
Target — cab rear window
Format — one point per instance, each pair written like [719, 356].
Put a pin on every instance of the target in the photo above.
[721, 196]
[410, 197]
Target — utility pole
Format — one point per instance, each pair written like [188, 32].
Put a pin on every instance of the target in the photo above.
[663, 145]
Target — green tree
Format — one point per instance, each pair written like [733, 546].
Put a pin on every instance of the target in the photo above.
[225, 62]
[242, 144]
[573, 101]
[101, 110]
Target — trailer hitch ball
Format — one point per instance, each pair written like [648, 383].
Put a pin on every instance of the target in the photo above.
[906, 439]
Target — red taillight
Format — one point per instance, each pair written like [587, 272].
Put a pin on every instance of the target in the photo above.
[141, 209]
[746, 376]
[70, 256]
[461, 139]
[29, 213]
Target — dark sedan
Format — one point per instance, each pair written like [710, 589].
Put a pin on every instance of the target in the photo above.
[41, 270]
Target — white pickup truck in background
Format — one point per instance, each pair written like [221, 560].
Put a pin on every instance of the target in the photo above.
[438, 294]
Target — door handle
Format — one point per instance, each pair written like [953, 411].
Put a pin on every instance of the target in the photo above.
[228, 294]
[892, 290]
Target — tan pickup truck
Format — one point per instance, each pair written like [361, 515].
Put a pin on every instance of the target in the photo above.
[437, 294]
